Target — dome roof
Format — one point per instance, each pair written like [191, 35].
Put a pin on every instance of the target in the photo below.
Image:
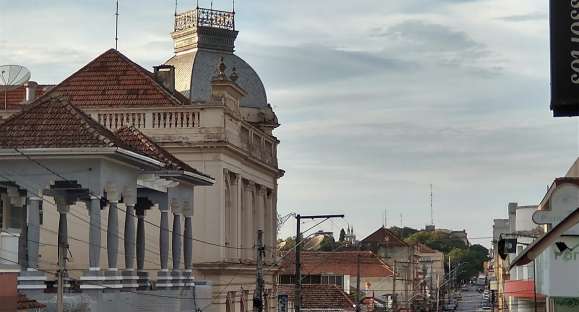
[194, 71]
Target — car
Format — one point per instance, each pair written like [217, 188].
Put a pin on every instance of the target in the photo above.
[449, 307]
[486, 308]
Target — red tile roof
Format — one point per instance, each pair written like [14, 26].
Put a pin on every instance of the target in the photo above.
[145, 146]
[15, 98]
[113, 80]
[342, 263]
[54, 123]
[320, 297]
[24, 303]
[384, 235]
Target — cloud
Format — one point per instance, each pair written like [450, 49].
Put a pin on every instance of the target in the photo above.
[535, 16]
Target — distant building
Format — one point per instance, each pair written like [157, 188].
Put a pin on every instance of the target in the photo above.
[319, 297]
[460, 235]
[400, 255]
[340, 268]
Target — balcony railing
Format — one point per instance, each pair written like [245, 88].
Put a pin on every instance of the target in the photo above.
[206, 18]
[148, 119]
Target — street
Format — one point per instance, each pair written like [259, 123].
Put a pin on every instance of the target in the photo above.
[471, 301]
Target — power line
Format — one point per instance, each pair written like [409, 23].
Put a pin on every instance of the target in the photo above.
[53, 172]
[85, 221]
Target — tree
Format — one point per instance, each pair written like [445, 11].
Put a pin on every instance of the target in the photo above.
[327, 244]
[342, 236]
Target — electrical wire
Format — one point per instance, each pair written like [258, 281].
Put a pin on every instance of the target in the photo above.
[85, 221]
[53, 172]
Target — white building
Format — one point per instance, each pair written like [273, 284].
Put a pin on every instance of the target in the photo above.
[209, 108]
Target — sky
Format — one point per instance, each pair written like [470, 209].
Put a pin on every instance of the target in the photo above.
[377, 99]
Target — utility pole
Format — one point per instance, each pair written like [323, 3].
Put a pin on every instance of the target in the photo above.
[258, 294]
[62, 249]
[358, 284]
[394, 296]
[298, 277]
[437, 292]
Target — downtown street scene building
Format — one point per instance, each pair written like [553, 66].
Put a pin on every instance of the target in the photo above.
[154, 176]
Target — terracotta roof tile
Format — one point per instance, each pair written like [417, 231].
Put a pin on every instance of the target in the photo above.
[343, 263]
[320, 297]
[113, 80]
[16, 98]
[144, 145]
[54, 123]
[383, 235]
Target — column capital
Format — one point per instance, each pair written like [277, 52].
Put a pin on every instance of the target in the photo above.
[113, 192]
[261, 189]
[34, 198]
[249, 186]
[175, 206]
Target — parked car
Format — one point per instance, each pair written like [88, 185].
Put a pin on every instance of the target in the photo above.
[449, 307]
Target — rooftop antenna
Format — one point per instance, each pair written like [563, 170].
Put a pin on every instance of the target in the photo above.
[211, 5]
[233, 6]
[117, 26]
[198, 4]
[431, 210]
[176, 7]
[12, 77]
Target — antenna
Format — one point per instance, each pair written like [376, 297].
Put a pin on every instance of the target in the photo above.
[233, 6]
[431, 210]
[176, 7]
[197, 3]
[12, 77]
[401, 223]
[117, 26]
[211, 4]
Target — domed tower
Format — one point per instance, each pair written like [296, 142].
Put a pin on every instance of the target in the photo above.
[201, 37]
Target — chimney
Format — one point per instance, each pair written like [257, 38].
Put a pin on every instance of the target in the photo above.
[31, 91]
[165, 75]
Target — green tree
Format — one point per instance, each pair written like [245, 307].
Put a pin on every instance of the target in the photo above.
[342, 236]
[328, 244]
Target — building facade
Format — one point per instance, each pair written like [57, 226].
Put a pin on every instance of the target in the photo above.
[209, 108]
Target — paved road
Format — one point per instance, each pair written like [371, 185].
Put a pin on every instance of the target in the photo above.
[471, 301]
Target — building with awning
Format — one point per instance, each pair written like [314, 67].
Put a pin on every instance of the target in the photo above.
[554, 254]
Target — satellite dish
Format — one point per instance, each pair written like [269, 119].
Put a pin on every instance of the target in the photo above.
[12, 77]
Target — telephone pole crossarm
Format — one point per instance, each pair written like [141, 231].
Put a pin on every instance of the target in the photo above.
[298, 273]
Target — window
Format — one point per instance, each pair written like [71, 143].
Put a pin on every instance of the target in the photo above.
[287, 279]
[40, 213]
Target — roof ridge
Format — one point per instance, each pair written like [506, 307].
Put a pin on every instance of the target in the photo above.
[138, 68]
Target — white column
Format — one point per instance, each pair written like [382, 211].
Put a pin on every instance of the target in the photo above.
[93, 278]
[113, 280]
[32, 279]
[227, 213]
[250, 224]
[235, 212]
[268, 226]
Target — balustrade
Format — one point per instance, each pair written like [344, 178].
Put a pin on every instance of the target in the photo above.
[149, 120]
[206, 18]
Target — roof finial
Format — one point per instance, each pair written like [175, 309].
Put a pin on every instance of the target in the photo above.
[234, 76]
[221, 70]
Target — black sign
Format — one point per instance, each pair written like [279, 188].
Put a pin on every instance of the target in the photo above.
[564, 20]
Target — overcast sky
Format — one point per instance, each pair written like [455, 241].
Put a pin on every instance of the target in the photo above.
[377, 99]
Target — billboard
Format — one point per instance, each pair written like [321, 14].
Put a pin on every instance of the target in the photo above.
[564, 32]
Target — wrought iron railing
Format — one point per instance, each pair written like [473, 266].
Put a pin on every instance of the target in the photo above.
[206, 18]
